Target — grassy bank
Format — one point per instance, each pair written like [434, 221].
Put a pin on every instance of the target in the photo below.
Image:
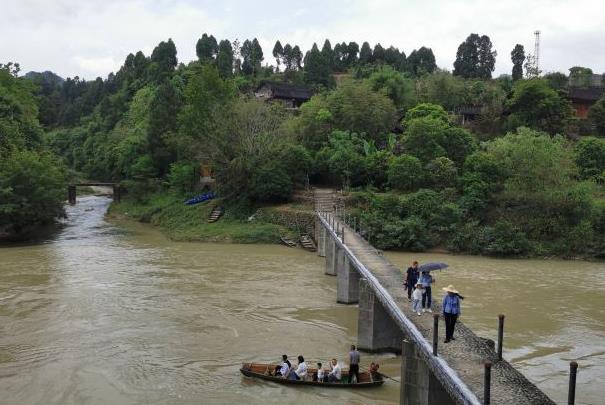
[189, 223]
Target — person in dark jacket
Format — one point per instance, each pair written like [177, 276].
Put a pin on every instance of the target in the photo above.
[411, 278]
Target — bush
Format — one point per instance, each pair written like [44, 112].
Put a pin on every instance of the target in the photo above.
[271, 183]
[590, 157]
[441, 172]
[506, 239]
[182, 177]
[405, 173]
[32, 189]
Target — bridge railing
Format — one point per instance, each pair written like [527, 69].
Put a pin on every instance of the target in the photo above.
[458, 390]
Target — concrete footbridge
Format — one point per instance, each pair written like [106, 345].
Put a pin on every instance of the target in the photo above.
[468, 370]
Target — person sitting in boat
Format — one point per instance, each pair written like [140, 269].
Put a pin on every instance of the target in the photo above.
[284, 368]
[319, 374]
[373, 368]
[301, 371]
[335, 373]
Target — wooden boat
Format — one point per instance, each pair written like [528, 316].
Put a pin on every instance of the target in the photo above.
[216, 213]
[264, 371]
[307, 243]
[287, 242]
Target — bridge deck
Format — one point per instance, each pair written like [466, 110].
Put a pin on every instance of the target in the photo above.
[468, 352]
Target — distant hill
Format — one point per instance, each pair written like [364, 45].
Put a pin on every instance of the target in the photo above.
[46, 77]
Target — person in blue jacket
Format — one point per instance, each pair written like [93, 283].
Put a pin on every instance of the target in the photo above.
[451, 311]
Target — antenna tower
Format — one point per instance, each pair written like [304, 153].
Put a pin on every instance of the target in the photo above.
[537, 51]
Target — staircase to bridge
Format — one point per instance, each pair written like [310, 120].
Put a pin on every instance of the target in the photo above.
[456, 374]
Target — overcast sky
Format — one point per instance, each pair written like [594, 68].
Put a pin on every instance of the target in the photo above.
[91, 38]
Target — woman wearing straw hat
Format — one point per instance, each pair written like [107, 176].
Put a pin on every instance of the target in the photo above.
[451, 311]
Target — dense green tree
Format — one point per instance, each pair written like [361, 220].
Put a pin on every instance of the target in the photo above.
[590, 158]
[163, 61]
[327, 54]
[163, 113]
[536, 105]
[206, 48]
[557, 80]
[475, 58]
[441, 172]
[395, 85]
[32, 190]
[278, 53]
[252, 53]
[365, 54]
[352, 52]
[405, 173]
[317, 71]
[442, 88]
[352, 106]
[224, 59]
[421, 61]
[423, 138]
[517, 56]
[427, 110]
[378, 54]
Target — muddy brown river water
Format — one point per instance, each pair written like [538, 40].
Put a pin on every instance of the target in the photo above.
[108, 313]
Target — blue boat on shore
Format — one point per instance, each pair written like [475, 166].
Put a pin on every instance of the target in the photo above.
[201, 198]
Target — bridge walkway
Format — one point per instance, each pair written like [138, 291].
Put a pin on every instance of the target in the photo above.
[465, 355]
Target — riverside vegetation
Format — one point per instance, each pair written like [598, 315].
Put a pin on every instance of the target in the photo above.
[525, 177]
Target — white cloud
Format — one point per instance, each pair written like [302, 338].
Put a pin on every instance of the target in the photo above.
[91, 38]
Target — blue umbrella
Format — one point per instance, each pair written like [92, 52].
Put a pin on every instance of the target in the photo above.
[432, 266]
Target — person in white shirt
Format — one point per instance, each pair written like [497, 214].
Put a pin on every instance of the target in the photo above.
[284, 369]
[301, 371]
[417, 298]
[319, 375]
[335, 373]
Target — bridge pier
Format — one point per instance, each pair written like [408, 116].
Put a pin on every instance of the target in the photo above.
[331, 252]
[376, 330]
[418, 384]
[321, 239]
[347, 283]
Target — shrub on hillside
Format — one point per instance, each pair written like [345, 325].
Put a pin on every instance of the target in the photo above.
[405, 173]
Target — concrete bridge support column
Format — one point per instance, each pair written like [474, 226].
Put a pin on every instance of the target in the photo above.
[418, 384]
[376, 330]
[347, 283]
[330, 256]
[321, 239]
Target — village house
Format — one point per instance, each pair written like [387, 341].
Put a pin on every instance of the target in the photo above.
[290, 95]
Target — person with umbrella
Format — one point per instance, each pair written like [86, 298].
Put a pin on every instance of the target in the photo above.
[451, 311]
[426, 279]
[411, 278]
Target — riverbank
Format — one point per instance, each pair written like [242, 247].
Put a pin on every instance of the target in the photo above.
[189, 223]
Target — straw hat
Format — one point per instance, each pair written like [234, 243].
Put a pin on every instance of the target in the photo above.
[450, 288]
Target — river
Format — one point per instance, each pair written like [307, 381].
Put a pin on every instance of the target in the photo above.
[116, 313]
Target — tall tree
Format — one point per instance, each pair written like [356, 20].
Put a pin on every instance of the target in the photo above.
[328, 54]
[475, 58]
[352, 51]
[256, 55]
[206, 48]
[224, 59]
[517, 56]
[278, 53]
[421, 61]
[288, 57]
[163, 113]
[163, 60]
[365, 54]
[317, 71]
[297, 57]
[378, 54]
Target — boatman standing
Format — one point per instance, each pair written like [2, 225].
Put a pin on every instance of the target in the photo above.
[353, 364]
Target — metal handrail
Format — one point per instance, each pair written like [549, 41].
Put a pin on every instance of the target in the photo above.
[454, 385]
